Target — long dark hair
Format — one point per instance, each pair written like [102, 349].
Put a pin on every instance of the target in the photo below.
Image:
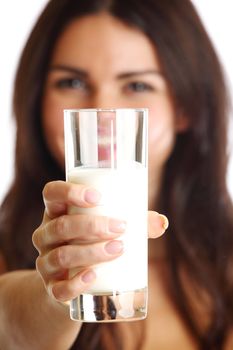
[193, 194]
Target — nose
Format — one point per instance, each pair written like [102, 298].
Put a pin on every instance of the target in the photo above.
[105, 99]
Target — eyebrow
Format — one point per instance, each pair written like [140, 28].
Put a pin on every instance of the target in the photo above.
[83, 73]
[70, 69]
[140, 72]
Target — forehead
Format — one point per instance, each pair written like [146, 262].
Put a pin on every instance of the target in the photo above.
[103, 39]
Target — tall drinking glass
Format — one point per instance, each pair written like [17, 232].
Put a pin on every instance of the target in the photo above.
[107, 149]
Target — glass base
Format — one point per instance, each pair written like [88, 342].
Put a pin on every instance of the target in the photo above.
[110, 306]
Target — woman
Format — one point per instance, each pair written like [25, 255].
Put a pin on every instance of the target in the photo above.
[127, 53]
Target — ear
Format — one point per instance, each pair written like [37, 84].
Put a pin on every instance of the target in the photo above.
[182, 123]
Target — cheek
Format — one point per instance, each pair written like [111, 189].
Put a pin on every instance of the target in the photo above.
[52, 119]
[161, 137]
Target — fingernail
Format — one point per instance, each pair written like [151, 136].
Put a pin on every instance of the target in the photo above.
[116, 226]
[88, 276]
[92, 196]
[114, 247]
[164, 221]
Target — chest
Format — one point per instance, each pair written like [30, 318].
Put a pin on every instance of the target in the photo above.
[163, 328]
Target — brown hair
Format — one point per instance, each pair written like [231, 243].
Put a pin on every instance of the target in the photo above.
[193, 196]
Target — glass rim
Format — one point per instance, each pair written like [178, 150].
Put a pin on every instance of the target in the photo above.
[72, 110]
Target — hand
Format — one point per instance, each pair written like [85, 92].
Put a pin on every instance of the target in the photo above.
[78, 241]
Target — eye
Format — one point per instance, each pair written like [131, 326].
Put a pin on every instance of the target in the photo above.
[71, 83]
[139, 86]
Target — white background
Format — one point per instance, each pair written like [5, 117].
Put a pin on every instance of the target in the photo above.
[16, 20]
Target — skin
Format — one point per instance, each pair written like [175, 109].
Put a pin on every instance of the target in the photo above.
[97, 62]
[132, 78]
[124, 73]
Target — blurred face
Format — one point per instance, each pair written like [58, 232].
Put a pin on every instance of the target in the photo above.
[100, 62]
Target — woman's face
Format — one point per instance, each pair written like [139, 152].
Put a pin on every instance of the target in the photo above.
[100, 62]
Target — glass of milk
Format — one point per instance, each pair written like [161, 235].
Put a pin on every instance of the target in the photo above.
[107, 149]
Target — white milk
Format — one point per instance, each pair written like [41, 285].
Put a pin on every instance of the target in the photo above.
[124, 196]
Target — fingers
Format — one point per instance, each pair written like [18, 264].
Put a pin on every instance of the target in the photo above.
[81, 228]
[54, 267]
[58, 195]
[157, 224]
[61, 259]
[69, 289]
[77, 242]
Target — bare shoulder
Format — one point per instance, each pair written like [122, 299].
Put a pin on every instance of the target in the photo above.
[3, 267]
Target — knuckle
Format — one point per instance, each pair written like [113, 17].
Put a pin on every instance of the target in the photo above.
[97, 225]
[93, 254]
[60, 226]
[59, 257]
[105, 224]
[75, 193]
[74, 287]
[70, 192]
[70, 287]
[36, 238]
[39, 264]
[46, 189]
[49, 187]
[91, 225]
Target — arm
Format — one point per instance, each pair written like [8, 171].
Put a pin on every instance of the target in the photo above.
[32, 314]
[30, 319]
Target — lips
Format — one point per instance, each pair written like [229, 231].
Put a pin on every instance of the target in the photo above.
[106, 130]
[107, 152]
[107, 139]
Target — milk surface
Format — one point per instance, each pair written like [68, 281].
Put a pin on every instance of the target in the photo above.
[123, 196]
